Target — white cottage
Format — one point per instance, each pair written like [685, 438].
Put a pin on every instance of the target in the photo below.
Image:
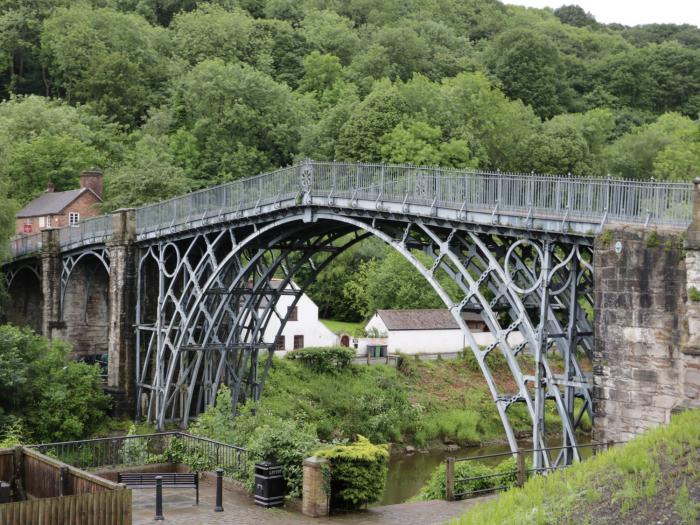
[424, 331]
[303, 329]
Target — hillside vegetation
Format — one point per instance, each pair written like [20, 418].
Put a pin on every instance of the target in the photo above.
[174, 95]
[652, 479]
[420, 402]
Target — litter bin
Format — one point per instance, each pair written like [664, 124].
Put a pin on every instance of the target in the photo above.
[269, 484]
[4, 492]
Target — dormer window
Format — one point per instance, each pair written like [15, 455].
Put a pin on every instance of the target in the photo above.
[73, 218]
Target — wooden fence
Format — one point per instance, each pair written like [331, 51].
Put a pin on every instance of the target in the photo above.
[91, 508]
[49, 492]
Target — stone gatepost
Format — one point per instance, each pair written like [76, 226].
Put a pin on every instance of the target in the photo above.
[51, 267]
[122, 311]
[314, 491]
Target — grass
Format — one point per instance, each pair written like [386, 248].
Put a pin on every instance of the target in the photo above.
[656, 476]
[343, 327]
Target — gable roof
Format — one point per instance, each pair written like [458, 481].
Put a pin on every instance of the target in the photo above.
[52, 202]
[423, 319]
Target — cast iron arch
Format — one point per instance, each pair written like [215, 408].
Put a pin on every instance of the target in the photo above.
[198, 313]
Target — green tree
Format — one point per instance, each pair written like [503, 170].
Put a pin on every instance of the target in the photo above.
[529, 66]
[49, 158]
[375, 116]
[331, 33]
[210, 31]
[148, 174]
[633, 155]
[56, 398]
[81, 45]
[320, 72]
[574, 15]
[422, 144]
[235, 120]
[393, 282]
[44, 140]
[279, 50]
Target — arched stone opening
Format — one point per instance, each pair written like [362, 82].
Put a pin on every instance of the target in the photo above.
[25, 301]
[85, 309]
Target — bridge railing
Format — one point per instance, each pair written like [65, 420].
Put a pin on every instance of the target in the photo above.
[227, 198]
[590, 198]
[597, 200]
[144, 449]
[604, 199]
[25, 245]
[94, 229]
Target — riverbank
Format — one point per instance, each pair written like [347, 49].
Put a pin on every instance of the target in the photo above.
[654, 478]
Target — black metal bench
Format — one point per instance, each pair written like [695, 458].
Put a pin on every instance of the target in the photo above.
[144, 480]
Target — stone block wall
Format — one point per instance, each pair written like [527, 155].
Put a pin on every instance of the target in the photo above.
[86, 309]
[643, 364]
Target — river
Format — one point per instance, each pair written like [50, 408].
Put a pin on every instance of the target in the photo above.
[409, 472]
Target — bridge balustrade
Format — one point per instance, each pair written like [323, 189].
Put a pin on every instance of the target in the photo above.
[562, 198]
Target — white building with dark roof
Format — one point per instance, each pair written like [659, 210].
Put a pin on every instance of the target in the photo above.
[303, 328]
[425, 331]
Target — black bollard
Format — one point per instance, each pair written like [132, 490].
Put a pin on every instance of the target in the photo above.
[159, 499]
[219, 490]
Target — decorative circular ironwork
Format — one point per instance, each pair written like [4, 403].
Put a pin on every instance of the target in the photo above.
[536, 282]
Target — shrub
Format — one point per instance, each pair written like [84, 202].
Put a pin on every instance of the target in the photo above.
[56, 398]
[286, 442]
[358, 473]
[694, 294]
[324, 360]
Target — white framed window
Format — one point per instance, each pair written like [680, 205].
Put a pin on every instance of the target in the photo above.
[42, 222]
[73, 218]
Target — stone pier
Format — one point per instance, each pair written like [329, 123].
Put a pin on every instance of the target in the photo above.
[646, 360]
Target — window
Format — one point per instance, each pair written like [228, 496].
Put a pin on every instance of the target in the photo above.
[298, 341]
[42, 222]
[73, 218]
[293, 314]
[279, 343]
[28, 225]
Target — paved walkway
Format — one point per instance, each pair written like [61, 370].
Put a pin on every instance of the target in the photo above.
[179, 509]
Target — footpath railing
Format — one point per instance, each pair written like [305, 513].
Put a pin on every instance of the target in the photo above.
[597, 200]
[559, 197]
[515, 474]
[143, 449]
[49, 492]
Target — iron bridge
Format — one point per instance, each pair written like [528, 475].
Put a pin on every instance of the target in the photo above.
[517, 246]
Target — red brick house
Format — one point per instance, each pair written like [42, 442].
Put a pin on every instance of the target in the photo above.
[55, 209]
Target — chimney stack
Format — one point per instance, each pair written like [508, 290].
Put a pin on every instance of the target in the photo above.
[49, 187]
[92, 179]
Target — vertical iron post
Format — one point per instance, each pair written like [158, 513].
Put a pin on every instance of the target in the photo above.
[219, 490]
[159, 499]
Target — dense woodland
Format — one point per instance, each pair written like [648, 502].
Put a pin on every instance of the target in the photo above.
[169, 96]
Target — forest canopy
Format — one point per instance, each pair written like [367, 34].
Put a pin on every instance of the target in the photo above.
[173, 95]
